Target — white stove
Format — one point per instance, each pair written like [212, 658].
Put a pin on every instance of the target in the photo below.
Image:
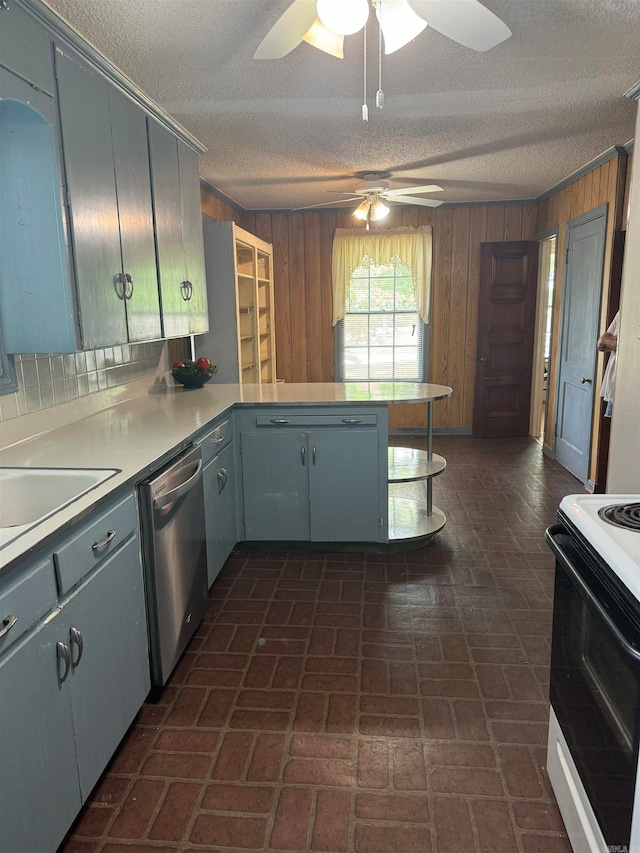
[594, 726]
[618, 546]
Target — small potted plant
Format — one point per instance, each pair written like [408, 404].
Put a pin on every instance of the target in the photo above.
[193, 374]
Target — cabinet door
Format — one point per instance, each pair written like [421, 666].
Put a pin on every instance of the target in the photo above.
[39, 790]
[25, 47]
[220, 510]
[167, 211]
[133, 185]
[88, 157]
[110, 679]
[276, 485]
[193, 239]
[35, 299]
[343, 485]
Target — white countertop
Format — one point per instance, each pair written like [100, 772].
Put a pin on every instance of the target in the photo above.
[140, 432]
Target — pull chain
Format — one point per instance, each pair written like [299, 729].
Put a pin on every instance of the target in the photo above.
[365, 108]
[380, 93]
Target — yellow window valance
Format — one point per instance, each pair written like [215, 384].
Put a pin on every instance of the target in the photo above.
[354, 247]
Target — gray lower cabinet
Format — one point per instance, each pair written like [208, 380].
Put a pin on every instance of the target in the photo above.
[220, 509]
[220, 494]
[315, 478]
[106, 165]
[178, 230]
[70, 685]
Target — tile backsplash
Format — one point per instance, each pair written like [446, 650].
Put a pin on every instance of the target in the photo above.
[52, 379]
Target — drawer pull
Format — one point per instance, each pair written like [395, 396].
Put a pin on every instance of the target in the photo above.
[352, 420]
[97, 545]
[218, 439]
[7, 624]
[280, 421]
[222, 479]
[63, 653]
[303, 455]
[313, 454]
[75, 639]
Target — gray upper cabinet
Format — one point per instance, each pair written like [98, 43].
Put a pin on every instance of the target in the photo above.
[109, 202]
[36, 303]
[25, 47]
[178, 228]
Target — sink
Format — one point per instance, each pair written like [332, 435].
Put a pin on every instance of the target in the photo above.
[29, 495]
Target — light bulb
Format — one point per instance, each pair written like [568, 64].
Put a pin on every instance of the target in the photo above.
[343, 17]
[322, 38]
[399, 23]
[362, 210]
[378, 211]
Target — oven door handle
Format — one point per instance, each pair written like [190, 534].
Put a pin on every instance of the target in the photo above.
[579, 581]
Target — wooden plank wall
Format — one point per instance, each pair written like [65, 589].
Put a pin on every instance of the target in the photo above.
[302, 280]
[605, 184]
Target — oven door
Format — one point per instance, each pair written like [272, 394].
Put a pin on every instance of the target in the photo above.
[595, 679]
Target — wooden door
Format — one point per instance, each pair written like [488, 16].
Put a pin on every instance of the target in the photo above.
[584, 260]
[506, 323]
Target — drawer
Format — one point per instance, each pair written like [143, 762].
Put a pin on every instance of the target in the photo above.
[25, 600]
[344, 420]
[93, 541]
[215, 440]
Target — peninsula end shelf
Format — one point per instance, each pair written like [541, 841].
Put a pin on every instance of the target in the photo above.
[412, 516]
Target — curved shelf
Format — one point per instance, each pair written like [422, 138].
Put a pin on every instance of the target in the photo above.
[408, 520]
[407, 464]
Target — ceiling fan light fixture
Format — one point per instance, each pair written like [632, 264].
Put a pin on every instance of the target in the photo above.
[362, 210]
[378, 210]
[399, 23]
[322, 38]
[343, 17]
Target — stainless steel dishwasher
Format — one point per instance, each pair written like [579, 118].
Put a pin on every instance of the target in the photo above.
[175, 558]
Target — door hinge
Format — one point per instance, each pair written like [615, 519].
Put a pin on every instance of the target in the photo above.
[555, 430]
[566, 257]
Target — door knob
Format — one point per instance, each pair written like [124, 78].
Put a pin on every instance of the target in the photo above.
[584, 379]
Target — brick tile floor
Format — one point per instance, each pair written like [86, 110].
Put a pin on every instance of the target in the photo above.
[371, 703]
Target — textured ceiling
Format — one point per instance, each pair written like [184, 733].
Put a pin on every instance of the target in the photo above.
[506, 124]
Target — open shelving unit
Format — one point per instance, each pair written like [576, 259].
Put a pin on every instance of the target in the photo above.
[241, 337]
[412, 515]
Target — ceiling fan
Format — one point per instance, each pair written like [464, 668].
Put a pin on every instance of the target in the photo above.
[325, 23]
[375, 191]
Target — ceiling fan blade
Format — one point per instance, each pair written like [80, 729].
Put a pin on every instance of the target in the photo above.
[288, 31]
[345, 202]
[430, 188]
[423, 202]
[466, 21]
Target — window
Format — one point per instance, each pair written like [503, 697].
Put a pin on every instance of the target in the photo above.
[381, 291]
[382, 334]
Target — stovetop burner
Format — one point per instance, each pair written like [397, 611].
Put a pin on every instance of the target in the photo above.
[622, 515]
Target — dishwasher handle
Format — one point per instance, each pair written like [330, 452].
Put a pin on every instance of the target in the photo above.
[179, 491]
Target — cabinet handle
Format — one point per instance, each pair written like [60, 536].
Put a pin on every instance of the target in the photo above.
[352, 420]
[184, 291]
[119, 279]
[218, 439]
[75, 639]
[97, 545]
[303, 454]
[313, 454]
[7, 624]
[62, 653]
[279, 421]
[222, 479]
[128, 281]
